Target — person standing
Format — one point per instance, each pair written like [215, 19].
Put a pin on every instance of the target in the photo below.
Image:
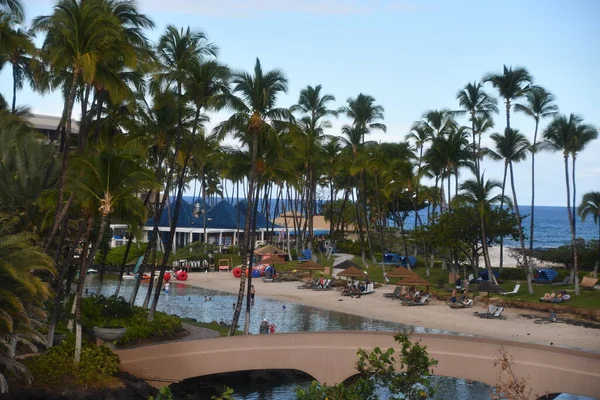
[264, 327]
[252, 294]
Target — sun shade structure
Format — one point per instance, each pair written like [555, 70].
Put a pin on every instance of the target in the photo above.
[269, 250]
[352, 272]
[413, 280]
[272, 260]
[489, 288]
[310, 265]
[346, 264]
[400, 272]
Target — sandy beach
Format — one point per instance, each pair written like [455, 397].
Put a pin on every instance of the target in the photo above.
[436, 315]
[508, 260]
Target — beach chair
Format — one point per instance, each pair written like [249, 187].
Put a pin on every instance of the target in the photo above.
[588, 283]
[514, 291]
[324, 286]
[494, 312]
[309, 285]
[422, 301]
[395, 294]
[460, 305]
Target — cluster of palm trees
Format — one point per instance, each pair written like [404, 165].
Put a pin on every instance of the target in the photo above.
[142, 136]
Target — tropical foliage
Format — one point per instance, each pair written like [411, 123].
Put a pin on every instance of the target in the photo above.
[142, 140]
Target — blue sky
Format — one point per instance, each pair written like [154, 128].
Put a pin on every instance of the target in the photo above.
[411, 56]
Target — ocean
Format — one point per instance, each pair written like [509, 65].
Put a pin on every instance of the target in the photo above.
[551, 223]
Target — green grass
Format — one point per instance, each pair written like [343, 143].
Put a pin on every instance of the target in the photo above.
[215, 326]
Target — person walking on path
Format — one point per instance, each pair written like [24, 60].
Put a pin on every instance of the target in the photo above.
[252, 294]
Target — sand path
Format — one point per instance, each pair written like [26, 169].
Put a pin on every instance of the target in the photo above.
[437, 315]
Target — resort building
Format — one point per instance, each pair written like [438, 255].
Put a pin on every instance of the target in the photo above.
[223, 225]
[47, 124]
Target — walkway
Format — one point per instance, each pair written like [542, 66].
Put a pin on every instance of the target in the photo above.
[330, 357]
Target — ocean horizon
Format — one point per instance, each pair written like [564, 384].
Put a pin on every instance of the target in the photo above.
[551, 222]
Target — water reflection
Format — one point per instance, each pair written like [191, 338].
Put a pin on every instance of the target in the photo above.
[189, 302]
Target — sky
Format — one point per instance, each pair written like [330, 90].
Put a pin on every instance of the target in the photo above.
[411, 56]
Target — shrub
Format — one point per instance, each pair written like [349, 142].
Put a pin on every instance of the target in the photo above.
[56, 366]
[111, 311]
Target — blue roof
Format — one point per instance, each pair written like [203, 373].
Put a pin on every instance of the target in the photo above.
[222, 215]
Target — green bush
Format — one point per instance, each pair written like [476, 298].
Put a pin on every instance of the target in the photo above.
[111, 311]
[56, 367]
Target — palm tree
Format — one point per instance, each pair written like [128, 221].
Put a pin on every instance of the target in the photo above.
[511, 84]
[479, 194]
[13, 8]
[23, 292]
[539, 104]
[570, 136]
[255, 115]
[365, 116]
[512, 147]
[420, 134]
[313, 107]
[79, 35]
[331, 152]
[107, 181]
[590, 205]
[477, 103]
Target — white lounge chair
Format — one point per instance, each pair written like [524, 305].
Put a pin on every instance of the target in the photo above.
[514, 291]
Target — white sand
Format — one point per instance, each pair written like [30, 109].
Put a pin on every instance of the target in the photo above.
[508, 261]
[437, 315]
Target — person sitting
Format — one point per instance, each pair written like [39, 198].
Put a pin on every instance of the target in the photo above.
[550, 296]
[559, 295]
[453, 298]
[264, 327]
[321, 281]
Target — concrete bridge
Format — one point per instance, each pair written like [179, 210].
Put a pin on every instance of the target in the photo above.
[330, 358]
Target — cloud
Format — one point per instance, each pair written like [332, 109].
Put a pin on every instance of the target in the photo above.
[252, 8]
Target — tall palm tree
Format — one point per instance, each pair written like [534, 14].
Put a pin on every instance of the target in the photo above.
[420, 134]
[512, 147]
[365, 116]
[106, 180]
[511, 85]
[479, 194]
[331, 152]
[590, 205]
[255, 115]
[539, 104]
[570, 136]
[79, 35]
[477, 103]
[313, 106]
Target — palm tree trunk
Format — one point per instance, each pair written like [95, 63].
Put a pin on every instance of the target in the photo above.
[331, 199]
[595, 272]
[486, 253]
[502, 207]
[570, 215]
[85, 264]
[532, 221]
[249, 300]
[360, 230]
[475, 148]
[367, 218]
[574, 231]
[519, 223]
[417, 216]
[123, 263]
[15, 81]
[246, 256]
[70, 101]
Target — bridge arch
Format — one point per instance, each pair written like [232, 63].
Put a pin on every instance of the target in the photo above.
[330, 357]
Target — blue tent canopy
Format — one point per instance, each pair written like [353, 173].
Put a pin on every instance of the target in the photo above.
[396, 259]
[546, 274]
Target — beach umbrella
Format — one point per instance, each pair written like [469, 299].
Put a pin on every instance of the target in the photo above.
[272, 260]
[352, 272]
[488, 287]
[400, 272]
[413, 280]
[310, 266]
[346, 264]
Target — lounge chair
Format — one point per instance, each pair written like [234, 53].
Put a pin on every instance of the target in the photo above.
[395, 294]
[588, 282]
[324, 286]
[421, 302]
[309, 285]
[494, 312]
[514, 291]
[460, 305]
